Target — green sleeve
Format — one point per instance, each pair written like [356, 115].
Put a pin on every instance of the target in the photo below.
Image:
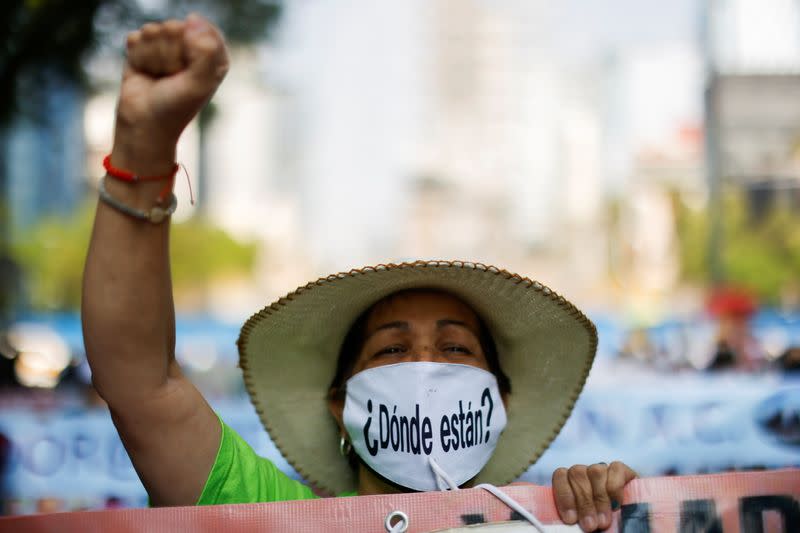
[241, 476]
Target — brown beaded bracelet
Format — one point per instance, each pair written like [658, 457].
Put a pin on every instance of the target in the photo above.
[156, 214]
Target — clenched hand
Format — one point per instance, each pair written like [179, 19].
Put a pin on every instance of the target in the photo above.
[172, 70]
[584, 494]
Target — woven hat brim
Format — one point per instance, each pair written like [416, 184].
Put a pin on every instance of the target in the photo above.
[288, 354]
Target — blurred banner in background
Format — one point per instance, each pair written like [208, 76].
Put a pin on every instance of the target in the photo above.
[641, 157]
[70, 459]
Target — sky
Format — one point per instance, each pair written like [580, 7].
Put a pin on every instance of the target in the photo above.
[588, 27]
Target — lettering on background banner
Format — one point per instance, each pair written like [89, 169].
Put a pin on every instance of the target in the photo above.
[49, 456]
[701, 515]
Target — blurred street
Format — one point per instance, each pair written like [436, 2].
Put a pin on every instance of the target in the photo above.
[642, 158]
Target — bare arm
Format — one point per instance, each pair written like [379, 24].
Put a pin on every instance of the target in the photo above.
[170, 432]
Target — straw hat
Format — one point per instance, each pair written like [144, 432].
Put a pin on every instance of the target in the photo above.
[288, 353]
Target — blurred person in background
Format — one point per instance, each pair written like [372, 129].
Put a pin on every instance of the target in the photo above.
[5, 454]
[736, 347]
[789, 361]
[418, 321]
[49, 505]
[638, 347]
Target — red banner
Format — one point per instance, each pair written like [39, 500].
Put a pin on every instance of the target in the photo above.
[752, 502]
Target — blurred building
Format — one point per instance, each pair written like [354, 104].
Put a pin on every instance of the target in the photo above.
[352, 79]
[493, 110]
[753, 104]
[437, 130]
[752, 36]
[456, 129]
[44, 154]
[654, 149]
[441, 129]
[246, 188]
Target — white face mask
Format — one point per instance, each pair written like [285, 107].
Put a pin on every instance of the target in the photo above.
[424, 425]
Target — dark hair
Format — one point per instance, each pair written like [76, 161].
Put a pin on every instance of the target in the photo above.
[354, 342]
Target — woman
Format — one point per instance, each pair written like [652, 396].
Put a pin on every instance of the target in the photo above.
[388, 337]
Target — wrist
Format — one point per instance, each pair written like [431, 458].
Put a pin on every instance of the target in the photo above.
[141, 132]
[143, 152]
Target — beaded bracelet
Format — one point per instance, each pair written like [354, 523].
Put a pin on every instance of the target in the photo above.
[155, 214]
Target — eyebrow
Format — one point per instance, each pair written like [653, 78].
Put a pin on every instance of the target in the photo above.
[460, 323]
[403, 326]
[399, 324]
[451, 322]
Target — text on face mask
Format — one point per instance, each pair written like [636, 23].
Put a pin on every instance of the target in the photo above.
[463, 428]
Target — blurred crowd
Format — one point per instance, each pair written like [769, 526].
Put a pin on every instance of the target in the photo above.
[732, 335]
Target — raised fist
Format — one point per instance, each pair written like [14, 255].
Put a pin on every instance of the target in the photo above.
[172, 70]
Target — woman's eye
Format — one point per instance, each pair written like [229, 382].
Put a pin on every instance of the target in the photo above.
[390, 350]
[457, 348]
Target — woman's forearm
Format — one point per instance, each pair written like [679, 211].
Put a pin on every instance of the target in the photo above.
[127, 310]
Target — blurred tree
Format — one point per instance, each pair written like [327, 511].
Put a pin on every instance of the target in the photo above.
[37, 36]
[52, 254]
[40, 38]
[35, 41]
[41, 35]
[762, 255]
[201, 253]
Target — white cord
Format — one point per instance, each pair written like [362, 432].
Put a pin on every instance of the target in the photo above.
[514, 504]
[443, 481]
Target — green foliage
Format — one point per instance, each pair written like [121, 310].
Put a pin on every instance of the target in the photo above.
[693, 229]
[201, 253]
[763, 256]
[52, 255]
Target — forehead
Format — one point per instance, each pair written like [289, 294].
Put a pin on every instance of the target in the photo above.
[420, 305]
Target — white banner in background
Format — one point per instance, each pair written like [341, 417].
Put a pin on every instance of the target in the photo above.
[667, 425]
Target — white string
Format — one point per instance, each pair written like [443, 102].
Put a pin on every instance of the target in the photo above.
[443, 481]
[514, 504]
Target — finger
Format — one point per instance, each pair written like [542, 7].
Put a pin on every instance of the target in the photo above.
[150, 30]
[132, 43]
[619, 475]
[598, 474]
[145, 56]
[206, 55]
[565, 499]
[584, 501]
[171, 46]
[132, 40]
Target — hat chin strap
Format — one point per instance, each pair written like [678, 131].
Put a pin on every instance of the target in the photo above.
[445, 482]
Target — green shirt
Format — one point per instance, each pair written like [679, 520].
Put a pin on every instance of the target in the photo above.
[241, 476]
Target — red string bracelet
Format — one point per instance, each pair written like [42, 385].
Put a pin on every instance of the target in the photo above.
[126, 175]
